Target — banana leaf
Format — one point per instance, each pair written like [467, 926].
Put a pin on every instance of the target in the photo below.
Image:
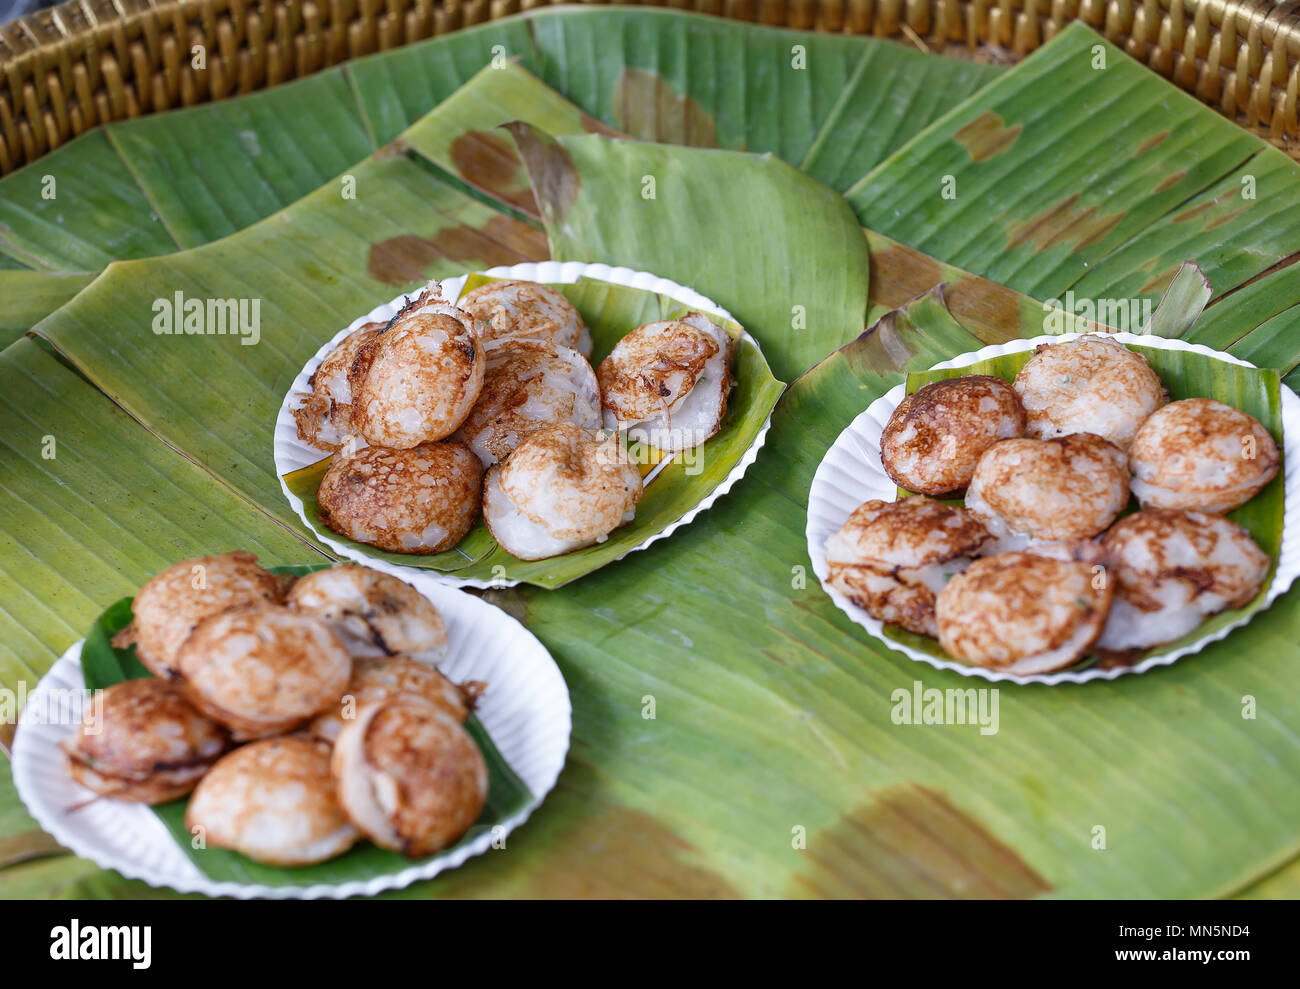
[207, 171]
[94, 505]
[216, 168]
[30, 296]
[992, 312]
[1256, 322]
[610, 311]
[460, 135]
[1182, 304]
[1281, 885]
[803, 292]
[77, 209]
[672, 77]
[1016, 184]
[66, 877]
[893, 94]
[104, 665]
[310, 270]
[815, 99]
[1186, 375]
[1273, 343]
[396, 88]
[21, 838]
[1234, 229]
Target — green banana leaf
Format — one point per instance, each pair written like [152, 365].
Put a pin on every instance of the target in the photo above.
[871, 121]
[396, 88]
[30, 296]
[209, 170]
[94, 506]
[216, 168]
[104, 665]
[1256, 322]
[1186, 375]
[1014, 183]
[311, 269]
[672, 77]
[1182, 304]
[1009, 186]
[212, 169]
[610, 312]
[21, 838]
[67, 877]
[1235, 229]
[793, 262]
[77, 209]
[1281, 885]
[808, 98]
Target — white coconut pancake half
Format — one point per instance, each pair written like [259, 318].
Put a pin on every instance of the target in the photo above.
[666, 383]
[1172, 570]
[563, 488]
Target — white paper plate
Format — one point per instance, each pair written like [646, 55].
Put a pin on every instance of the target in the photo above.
[292, 454]
[525, 710]
[851, 473]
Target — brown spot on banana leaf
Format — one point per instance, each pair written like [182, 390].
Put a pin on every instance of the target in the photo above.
[550, 168]
[1171, 181]
[910, 338]
[987, 136]
[1151, 143]
[1226, 217]
[593, 126]
[487, 161]
[1063, 223]
[900, 273]
[615, 853]
[911, 843]
[1199, 209]
[27, 845]
[646, 106]
[502, 240]
[993, 312]
[1161, 281]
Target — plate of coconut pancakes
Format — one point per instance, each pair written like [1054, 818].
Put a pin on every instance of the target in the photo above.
[1063, 509]
[313, 731]
[527, 423]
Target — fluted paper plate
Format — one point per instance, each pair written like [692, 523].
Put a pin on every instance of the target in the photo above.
[851, 473]
[525, 710]
[292, 454]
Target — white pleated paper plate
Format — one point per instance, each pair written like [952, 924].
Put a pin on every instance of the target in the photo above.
[851, 473]
[292, 454]
[525, 711]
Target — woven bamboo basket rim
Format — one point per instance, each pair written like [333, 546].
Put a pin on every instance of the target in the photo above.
[73, 67]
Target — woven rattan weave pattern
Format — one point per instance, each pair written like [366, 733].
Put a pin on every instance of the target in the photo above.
[67, 69]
